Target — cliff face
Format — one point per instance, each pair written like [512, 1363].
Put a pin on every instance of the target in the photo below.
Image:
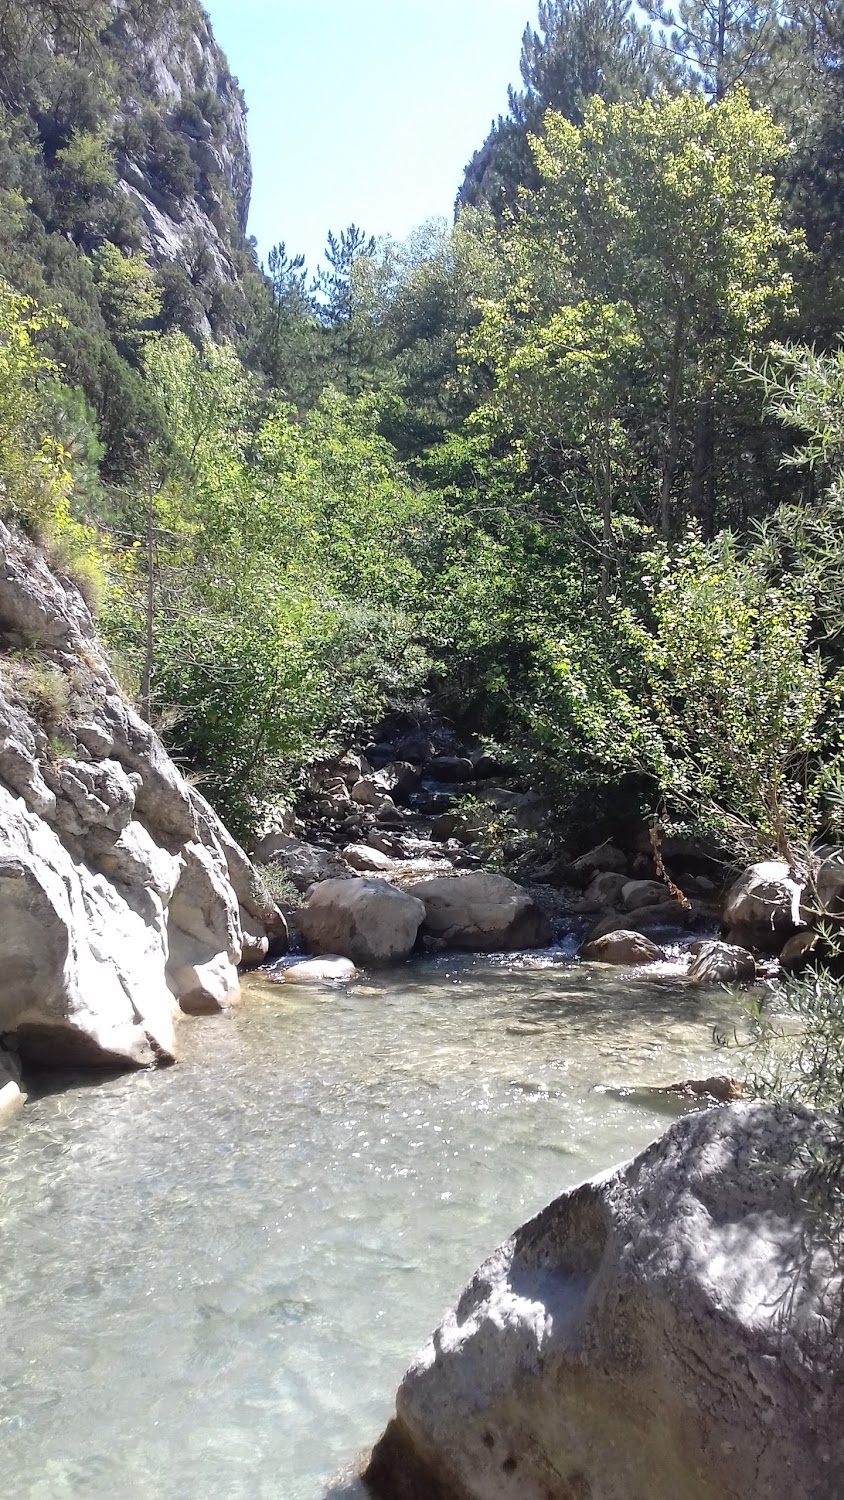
[122, 896]
[182, 152]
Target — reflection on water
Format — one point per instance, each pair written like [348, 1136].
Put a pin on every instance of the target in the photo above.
[214, 1276]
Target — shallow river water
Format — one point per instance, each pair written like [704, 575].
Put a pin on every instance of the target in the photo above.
[212, 1277]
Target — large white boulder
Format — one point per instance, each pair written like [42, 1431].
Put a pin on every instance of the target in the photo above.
[762, 907]
[368, 921]
[482, 912]
[669, 1331]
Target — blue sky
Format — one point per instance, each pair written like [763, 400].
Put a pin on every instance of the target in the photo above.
[365, 110]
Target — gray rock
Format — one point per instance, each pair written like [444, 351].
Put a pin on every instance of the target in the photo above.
[482, 912]
[365, 920]
[669, 1331]
[637, 893]
[451, 768]
[721, 963]
[603, 893]
[604, 857]
[762, 908]
[621, 947]
[797, 952]
[326, 970]
[303, 863]
[369, 860]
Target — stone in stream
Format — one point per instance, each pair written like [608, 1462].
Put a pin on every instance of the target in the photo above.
[721, 963]
[637, 893]
[762, 908]
[364, 857]
[305, 863]
[365, 920]
[603, 893]
[798, 951]
[621, 947]
[326, 970]
[670, 1330]
[482, 912]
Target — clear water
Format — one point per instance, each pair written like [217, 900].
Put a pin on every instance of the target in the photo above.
[213, 1276]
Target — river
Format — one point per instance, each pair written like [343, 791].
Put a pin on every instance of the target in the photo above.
[214, 1275]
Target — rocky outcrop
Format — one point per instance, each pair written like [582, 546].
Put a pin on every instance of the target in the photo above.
[762, 908]
[182, 153]
[669, 1331]
[482, 913]
[122, 896]
[368, 921]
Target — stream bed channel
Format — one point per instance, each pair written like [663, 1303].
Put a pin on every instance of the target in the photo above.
[214, 1275]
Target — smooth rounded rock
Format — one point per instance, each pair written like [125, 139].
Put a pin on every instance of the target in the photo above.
[622, 947]
[482, 912]
[365, 920]
[326, 970]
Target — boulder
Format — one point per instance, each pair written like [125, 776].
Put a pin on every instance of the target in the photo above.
[721, 963]
[365, 920]
[482, 912]
[605, 857]
[385, 843]
[621, 947]
[398, 777]
[668, 1331]
[451, 768]
[798, 951]
[305, 864]
[637, 893]
[825, 896]
[326, 970]
[364, 857]
[762, 908]
[603, 893]
[368, 792]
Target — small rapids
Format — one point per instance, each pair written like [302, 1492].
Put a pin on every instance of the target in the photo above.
[214, 1276]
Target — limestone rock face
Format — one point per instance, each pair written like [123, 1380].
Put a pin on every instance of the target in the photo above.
[482, 913]
[668, 1331]
[368, 921]
[721, 963]
[122, 896]
[762, 907]
[183, 74]
[621, 947]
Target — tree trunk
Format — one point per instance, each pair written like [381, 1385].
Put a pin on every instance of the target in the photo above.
[672, 447]
[702, 490]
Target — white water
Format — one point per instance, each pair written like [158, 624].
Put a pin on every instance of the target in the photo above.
[213, 1276]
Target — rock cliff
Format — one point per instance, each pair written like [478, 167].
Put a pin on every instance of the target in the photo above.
[122, 896]
[182, 152]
